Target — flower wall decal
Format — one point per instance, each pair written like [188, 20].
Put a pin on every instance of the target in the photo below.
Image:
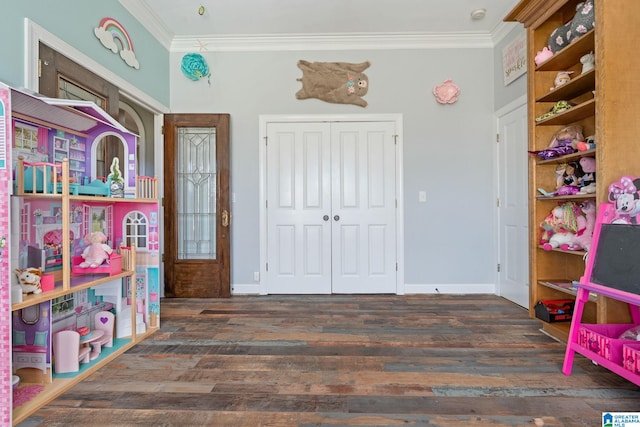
[195, 67]
[447, 92]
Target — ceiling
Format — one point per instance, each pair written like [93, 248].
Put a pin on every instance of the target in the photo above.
[179, 21]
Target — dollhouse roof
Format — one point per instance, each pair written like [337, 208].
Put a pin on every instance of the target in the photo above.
[78, 115]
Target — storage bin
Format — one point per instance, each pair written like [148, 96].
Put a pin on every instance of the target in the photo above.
[603, 340]
[631, 356]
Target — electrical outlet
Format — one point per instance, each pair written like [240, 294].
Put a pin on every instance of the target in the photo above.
[256, 276]
[422, 196]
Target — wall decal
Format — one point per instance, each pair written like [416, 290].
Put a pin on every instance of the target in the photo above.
[114, 37]
[195, 67]
[336, 82]
[447, 92]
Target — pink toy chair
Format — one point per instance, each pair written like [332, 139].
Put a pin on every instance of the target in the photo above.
[104, 321]
[68, 353]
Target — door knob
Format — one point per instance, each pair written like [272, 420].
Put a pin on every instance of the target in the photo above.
[336, 218]
[225, 218]
[326, 217]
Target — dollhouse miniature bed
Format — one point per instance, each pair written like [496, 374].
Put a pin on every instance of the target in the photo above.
[37, 178]
[111, 267]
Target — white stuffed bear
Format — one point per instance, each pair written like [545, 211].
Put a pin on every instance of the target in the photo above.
[97, 252]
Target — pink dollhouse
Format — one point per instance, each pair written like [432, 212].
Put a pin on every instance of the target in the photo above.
[56, 190]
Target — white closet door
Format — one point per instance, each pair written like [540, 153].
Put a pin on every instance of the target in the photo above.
[331, 208]
[363, 207]
[299, 200]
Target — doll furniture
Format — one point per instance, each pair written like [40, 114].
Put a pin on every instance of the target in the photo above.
[46, 178]
[30, 355]
[111, 267]
[104, 321]
[612, 271]
[68, 353]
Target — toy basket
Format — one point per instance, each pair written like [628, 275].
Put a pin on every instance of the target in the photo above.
[631, 357]
[603, 340]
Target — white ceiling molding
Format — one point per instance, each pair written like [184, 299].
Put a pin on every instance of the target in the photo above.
[308, 42]
[150, 21]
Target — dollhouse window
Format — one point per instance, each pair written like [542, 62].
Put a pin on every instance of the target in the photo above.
[136, 230]
[25, 137]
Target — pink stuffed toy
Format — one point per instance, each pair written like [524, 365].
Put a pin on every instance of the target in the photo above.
[586, 222]
[97, 252]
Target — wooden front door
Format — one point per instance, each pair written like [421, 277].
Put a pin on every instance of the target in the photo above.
[197, 261]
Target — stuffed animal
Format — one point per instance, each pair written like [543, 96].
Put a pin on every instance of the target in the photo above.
[559, 227]
[29, 279]
[96, 252]
[586, 222]
[336, 82]
[562, 143]
[582, 22]
[588, 165]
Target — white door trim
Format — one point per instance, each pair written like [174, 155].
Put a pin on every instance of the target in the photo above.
[497, 115]
[265, 119]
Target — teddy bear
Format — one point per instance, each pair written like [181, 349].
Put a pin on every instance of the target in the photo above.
[97, 250]
[29, 279]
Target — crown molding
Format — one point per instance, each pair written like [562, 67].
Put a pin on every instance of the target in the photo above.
[149, 20]
[309, 42]
[351, 41]
[501, 31]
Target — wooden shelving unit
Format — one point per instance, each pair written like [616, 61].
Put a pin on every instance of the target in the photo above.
[606, 103]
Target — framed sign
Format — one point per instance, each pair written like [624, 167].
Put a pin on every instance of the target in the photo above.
[514, 59]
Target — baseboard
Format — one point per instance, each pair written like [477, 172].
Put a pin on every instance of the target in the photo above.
[448, 288]
[245, 289]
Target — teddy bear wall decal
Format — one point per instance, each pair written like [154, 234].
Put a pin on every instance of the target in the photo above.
[335, 82]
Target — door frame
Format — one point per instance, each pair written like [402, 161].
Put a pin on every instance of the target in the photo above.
[498, 184]
[264, 120]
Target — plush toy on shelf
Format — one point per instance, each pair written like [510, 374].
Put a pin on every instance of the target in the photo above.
[586, 222]
[29, 279]
[97, 252]
[559, 227]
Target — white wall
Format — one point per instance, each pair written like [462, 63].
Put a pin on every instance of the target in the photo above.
[447, 148]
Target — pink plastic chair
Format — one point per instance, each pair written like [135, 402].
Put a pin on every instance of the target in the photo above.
[104, 321]
[68, 353]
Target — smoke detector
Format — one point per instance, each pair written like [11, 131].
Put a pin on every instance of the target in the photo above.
[478, 14]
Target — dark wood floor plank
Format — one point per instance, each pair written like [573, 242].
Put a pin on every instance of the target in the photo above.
[343, 360]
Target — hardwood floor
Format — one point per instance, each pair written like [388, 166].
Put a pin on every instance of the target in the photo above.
[427, 360]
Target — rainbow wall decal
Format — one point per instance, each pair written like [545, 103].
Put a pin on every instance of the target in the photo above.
[114, 37]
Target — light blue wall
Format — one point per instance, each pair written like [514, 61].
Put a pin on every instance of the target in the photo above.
[73, 22]
[448, 149]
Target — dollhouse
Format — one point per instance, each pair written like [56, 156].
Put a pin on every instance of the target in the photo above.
[56, 196]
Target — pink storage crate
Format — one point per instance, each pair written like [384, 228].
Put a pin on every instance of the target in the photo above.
[603, 340]
[631, 356]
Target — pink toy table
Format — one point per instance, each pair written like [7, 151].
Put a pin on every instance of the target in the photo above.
[95, 335]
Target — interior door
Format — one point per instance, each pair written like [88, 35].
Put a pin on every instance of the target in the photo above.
[513, 277]
[363, 207]
[331, 208]
[196, 206]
